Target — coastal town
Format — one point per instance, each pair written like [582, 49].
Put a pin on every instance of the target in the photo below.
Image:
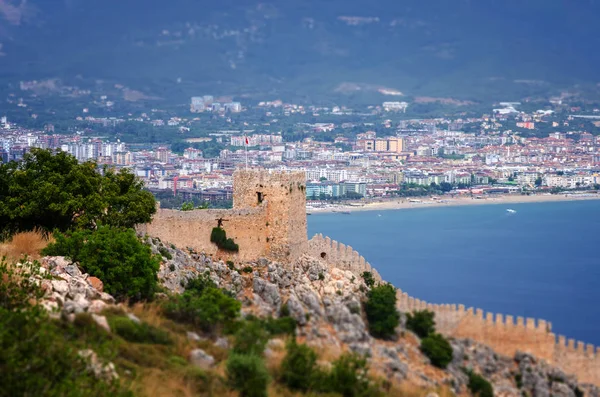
[350, 156]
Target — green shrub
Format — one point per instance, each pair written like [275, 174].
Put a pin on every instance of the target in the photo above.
[479, 386]
[203, 305]
[421, 323]
[230, 265]
[438, 349]
[114, 255]
[247, 374]
[299, 366]
[219, 237]
[519, 380]
[187, 206]
[251, 338]
[380, 308]
[247, 269]
[138, 333]
[348, 377]
[165, 253]
[280, 326]
[368, 278]
[284, 311]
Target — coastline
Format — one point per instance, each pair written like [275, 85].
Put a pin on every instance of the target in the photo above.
[426, 202]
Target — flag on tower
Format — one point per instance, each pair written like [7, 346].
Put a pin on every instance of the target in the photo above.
[247, 142]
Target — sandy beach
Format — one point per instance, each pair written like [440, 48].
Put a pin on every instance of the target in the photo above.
[422, 202]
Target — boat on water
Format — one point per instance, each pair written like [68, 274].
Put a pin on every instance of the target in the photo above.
[511, 211]
[345, 212]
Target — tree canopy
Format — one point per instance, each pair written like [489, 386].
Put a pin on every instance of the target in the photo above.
[51, 190]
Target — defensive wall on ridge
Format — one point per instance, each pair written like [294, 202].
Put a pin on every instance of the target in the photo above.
[502, 333]
[506, 336]
[268, 219]
[340, 255]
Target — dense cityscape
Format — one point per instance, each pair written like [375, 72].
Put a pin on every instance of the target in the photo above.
[383, 155]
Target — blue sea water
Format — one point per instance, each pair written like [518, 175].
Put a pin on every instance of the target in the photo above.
[542, 261]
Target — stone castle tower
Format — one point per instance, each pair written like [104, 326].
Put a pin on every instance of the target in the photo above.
[284, 195]
[268, 219]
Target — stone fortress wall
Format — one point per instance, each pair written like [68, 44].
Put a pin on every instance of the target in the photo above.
[340, 255]
[506, 336]
[268, 219]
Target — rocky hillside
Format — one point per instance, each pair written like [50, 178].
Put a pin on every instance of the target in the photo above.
[328, 307]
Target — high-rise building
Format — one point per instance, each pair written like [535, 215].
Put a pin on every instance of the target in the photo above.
[162, 154]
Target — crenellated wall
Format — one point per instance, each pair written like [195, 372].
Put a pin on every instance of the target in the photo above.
[507, 336]
[340, 255]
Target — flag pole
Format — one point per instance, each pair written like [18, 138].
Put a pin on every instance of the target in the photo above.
[246, 145]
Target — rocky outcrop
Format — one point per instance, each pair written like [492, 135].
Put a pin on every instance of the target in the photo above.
[326, 303]
[69, 291]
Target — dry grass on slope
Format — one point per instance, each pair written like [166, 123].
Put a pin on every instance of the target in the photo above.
[24, 244]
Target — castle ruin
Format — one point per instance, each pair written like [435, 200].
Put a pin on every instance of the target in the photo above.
[268, 219]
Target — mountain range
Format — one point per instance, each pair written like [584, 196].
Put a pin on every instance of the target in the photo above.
[476, 50]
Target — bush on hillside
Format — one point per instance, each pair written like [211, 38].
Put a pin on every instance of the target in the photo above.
[368, 278]
[114, 255]
[299, 368]
[219, 237]
[438, 349]
[35, 357]
[51, 190]
[251, 338]
[138, 333]
[203, 305]
[247, 374]
[479, 386]
[421, 322]
[349, 377]
[380, 308]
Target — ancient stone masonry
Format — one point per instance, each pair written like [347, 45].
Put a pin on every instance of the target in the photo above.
[268, 219]
[340, 256]
[507, 337]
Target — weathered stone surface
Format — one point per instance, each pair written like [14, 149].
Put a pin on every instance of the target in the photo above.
[223, 343]
[96, 283]
[201, 359]
[97, 306]
[106, 372]
[60, 286]
[193, 336]
[101, 321]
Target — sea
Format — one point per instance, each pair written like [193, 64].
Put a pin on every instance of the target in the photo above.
[542, 261]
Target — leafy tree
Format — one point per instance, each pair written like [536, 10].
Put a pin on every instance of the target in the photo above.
[53, 191]
[445, 187]
[187, 206]
[438, 349]
[380, 308]
[421, 323]
[114, 255]
[247, 374]
[538, 181]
